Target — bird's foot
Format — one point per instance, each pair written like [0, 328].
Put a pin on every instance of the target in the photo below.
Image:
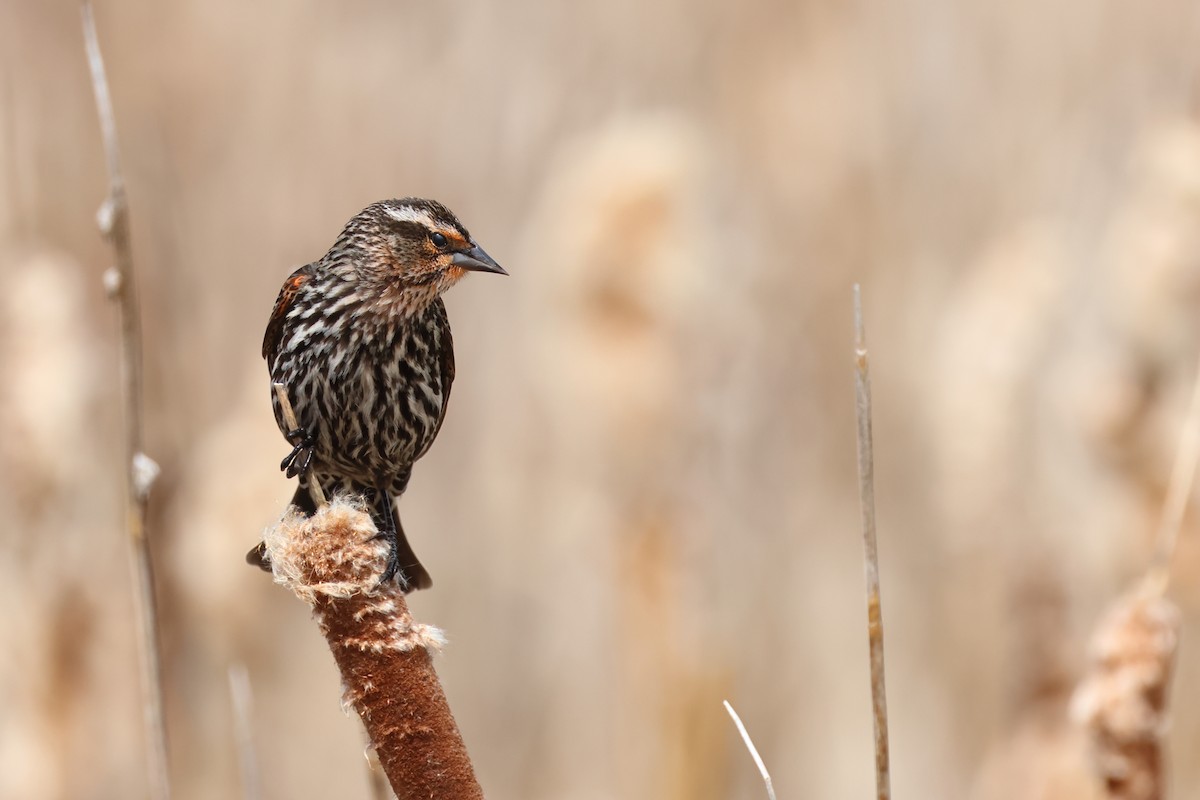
[392, 570]
[402, 564]
[300, 459]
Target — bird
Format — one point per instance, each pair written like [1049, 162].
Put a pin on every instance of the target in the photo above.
[361, 342]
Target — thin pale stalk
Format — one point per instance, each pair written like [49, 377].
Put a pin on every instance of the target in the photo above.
[241, 698]
[1179, 490]
[758, 762]
[866, 493]
[113, 220]
[289, 416]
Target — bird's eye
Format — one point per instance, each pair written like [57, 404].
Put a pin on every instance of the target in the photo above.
[438, 239]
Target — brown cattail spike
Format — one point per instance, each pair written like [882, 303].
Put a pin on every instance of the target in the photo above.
[335, 560]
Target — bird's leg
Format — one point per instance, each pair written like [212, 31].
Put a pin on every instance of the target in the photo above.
[388, 531]
[300, 459]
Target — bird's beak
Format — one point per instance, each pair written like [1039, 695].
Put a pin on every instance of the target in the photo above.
[477, 261]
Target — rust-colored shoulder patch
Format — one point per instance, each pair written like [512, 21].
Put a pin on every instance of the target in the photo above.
[283, 305]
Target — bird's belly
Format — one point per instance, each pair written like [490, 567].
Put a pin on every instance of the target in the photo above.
[379, 427]
[370, 421]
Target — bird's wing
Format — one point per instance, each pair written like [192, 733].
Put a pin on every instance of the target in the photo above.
[447, 366]
[283, 304]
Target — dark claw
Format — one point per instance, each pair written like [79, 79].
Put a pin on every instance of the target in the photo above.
[389, 534]
[300, 459]
[290, 457]
[393, 562]
[300, 465]
[393, 567]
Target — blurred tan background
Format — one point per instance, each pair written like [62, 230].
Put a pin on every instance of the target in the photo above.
[643, 500]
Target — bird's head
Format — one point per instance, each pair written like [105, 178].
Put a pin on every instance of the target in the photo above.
[414, 249]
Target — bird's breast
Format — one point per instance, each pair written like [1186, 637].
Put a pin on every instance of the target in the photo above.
[369, 386]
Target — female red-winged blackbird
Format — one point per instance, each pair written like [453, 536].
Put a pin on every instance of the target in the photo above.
[361, 341]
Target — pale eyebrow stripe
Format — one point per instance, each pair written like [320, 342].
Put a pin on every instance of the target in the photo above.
[409, 214]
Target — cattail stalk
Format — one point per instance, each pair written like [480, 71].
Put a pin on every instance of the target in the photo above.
[334, 561]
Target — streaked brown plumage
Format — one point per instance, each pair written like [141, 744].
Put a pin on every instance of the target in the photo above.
[361, 341]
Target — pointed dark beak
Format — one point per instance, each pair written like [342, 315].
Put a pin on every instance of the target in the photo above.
[477, 261]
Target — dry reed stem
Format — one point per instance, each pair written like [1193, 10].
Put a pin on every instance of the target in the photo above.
[289, 416]
[241, 698]
[113, 220]
[866, 493]
[1179, 491]
[758, 762]
[334, 561]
